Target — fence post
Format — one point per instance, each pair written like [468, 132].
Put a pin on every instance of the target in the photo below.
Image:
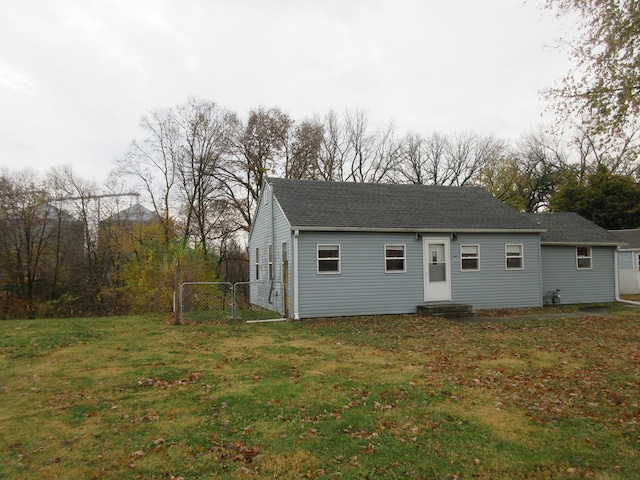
[180, 300]
[233, 301]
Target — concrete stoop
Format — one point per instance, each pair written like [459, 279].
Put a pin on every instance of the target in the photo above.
[447, 310]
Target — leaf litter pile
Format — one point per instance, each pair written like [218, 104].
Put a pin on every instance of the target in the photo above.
[368, 397]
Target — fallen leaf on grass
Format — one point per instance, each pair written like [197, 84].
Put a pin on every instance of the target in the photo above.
[239, 451]
[369, 449]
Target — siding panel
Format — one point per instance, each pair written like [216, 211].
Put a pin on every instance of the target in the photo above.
[625, 260]
[270, 228]
[363, 287]
[493, 286]
[579, 286]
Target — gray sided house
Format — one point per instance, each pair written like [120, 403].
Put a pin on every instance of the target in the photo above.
[343, 249]
[578, 258]
[629, 261]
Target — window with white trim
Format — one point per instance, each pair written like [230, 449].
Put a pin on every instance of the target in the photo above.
[395, 258]
[328, 258]
[257, 264]
[583, 258]
[270, 262]
[469, 257]
[514, 257]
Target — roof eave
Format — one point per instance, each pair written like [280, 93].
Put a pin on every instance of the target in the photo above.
[582, 242]
[414, 230]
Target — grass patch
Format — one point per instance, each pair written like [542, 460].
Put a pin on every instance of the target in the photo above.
[367, 397]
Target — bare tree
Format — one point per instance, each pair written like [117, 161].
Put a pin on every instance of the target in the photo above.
[618, 153]
[412, 159]
[446, 160]
[260, 148]
[28, 228]
[153, 163]
[370, 155]
[437, 147]
[303, 159]
[526, 177]
[332, 155]
[206, 134]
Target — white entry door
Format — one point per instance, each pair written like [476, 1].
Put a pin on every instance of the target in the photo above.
[437, 270]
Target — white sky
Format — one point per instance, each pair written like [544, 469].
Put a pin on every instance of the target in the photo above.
[77, 75]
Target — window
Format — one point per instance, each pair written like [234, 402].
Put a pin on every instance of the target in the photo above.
[394, 258]
[328, 258]
[583, 258]
[270, 260]
[257, 263]
[514, 257]
[470, 257]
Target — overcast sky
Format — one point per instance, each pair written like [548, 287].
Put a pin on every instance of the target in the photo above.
[76, 76]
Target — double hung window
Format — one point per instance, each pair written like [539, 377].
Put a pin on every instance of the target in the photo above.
[583, 258]
[514, 257]
[470, 257]
[395, 258]
[328, 258]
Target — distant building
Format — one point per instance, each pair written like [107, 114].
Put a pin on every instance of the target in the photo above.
[120, 235]
[134, 214]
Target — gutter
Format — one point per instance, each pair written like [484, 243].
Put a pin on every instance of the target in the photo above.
[576, 243]
[617, 286]
[443, 229]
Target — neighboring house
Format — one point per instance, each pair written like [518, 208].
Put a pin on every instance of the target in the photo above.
[578, 257]
[121, 234]
[135, 214]
[629, 261]
[130, 221]
[345, 249]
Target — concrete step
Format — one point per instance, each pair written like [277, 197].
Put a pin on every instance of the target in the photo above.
[448, 310]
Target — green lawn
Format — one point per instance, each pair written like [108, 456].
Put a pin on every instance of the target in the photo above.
[370, 397]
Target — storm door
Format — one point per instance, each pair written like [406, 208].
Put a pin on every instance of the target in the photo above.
[437, 270]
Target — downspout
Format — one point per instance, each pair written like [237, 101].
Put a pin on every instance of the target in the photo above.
[296, 314]
[616, 280]
[541, 296]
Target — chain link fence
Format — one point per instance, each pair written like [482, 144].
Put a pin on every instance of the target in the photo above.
[205, 301]
[243, 301]
[256, 301]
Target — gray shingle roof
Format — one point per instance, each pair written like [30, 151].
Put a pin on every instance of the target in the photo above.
[631, 238]
[569, 228]
[135, 213]
[340, 205]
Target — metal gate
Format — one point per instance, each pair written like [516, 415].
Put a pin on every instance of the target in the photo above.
[218, 301]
